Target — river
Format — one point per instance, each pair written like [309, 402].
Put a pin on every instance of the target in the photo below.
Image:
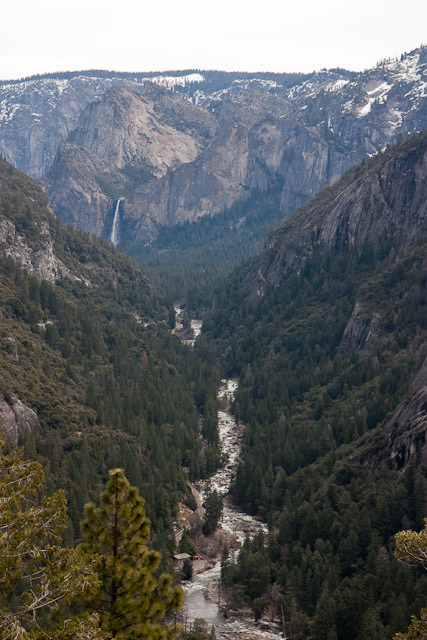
[234, 522]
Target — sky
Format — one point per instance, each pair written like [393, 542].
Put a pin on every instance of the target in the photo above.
[40, 36]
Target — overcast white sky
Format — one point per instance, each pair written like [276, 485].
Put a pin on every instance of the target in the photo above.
[38, 36]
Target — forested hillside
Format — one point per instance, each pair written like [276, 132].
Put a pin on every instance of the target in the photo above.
[189, 260]
[92, 378]
[327, 331]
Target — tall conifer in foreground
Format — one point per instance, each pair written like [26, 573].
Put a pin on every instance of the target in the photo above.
[38, 577]
[133, 601]
[411, 549]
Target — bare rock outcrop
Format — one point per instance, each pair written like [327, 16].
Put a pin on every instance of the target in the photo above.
[36, 115]
[16, 419]
[368, 203]
[407, 427]
[128, 145]
[122, 128]
[174, 163]
[360, 330]
[39, 260]
[78, 179]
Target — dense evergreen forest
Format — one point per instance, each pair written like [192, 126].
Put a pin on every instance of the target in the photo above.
[316, 462]
[92, 354]
[189, 261]
[319, 462]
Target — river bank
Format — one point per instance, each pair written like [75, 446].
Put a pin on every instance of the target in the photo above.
[203, 593]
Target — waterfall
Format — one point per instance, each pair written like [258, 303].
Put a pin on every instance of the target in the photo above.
[115, 229]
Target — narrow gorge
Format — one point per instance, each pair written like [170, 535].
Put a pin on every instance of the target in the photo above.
[203, 593]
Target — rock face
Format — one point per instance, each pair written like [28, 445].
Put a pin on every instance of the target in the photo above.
[360, 330]
[36, 115]
[167, 177]
[174, 158]
[239, 160]
[17, 419]
[368, 108]
[122, 128]
[79, 176]
[121, 148]
[383, 198]
[40, 260]
[407, 428]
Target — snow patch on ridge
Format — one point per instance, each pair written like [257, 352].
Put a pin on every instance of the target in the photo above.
[16, 96]
[339, 84]
[399, 119]
[260, 82]
[7, 110]
[177, 81]
[406, 69]
[378, 94]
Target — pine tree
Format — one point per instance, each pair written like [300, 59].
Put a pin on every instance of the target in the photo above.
[213, 505]
[417, 630]
[411, 549]
[411, 546]
[133, 600]
[38, 577]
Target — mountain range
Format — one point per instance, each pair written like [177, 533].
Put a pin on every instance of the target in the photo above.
[178, 147]
[325, 327]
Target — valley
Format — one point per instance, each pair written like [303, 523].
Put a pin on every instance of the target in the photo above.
[204, 588]
[204, 594]
[235, 314]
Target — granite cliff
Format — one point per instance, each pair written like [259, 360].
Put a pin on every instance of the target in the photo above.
[17, 419]
[333, 312]
[179, 147]
[382, 198]
[407, 427]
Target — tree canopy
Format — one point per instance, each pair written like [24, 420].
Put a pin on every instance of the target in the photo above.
[411, 548]
[133, 600]
[39, 578]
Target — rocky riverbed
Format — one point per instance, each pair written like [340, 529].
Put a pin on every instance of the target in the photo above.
[203, 593]
[203, 598]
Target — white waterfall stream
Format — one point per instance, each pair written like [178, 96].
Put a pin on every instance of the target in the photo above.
[114, 238]
[234, 522]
